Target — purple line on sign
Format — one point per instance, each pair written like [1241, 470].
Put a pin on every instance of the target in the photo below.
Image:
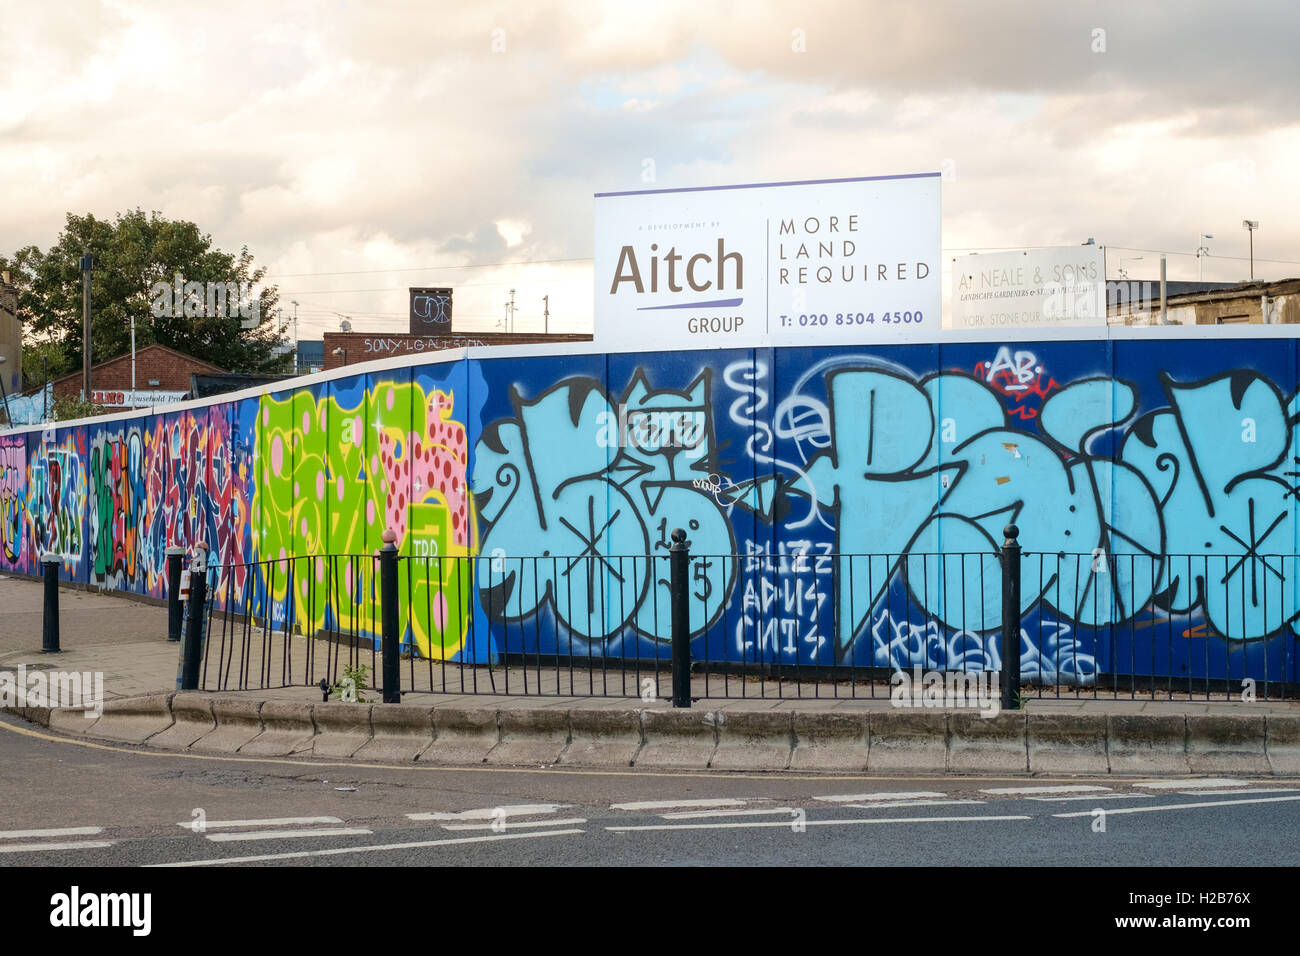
[716, 303]
[796, 182]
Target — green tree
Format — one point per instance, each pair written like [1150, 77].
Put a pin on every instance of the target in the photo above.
[131, 255]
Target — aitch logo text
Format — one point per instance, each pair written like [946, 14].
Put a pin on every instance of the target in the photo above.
[698, 272]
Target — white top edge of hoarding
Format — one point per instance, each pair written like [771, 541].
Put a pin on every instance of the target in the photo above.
[1100, 333]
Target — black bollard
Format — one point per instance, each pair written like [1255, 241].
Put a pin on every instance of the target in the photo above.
[390, 646]
[192, 645]
[679, 584]
[50, 622]
[1011, 619]
[175, 607]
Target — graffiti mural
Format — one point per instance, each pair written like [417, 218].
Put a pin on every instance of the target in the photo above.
[56, 498]
[323, 486]
[13, 501]
[844, 507]
[601, 484]
[118, 509]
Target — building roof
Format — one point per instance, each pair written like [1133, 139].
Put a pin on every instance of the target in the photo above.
[149, 349]
[1127, 291]
[203, 386]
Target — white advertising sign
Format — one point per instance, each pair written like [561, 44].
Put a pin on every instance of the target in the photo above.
[1065, 285]
[823, 262]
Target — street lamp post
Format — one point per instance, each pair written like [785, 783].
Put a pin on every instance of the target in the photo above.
[133, 360]
[1202, 251]
[87, 266]
[297, 366]
[1250, 225]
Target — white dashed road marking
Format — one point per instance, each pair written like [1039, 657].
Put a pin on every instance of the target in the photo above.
[287, 834]
[51, 846]
[705, 814]
[272, 822]
[572, 822]
[489, 813]
[339, 851]
[908, 803]
[1182, 784]
[781, 824]
[1091, 797]
[60, 832]
[1234, 793]
[678, 804]
[1181, 806]
[864, 797]
[1017, 791]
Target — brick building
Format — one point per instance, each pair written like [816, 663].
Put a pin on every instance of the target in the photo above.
[1240, 303]
[349, 348]
[162, 376]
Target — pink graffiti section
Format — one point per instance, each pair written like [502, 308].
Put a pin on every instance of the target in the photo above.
[439, 459]
[13, 492]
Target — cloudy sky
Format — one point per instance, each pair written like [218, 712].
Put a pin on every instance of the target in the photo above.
[358, 148]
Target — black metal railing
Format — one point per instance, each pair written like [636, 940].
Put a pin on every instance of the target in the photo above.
[803, 623]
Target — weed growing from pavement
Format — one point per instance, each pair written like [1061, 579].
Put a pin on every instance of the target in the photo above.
[349, 687]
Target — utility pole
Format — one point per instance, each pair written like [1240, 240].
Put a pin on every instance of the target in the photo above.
[297, 368]
[1202, 251]
[87, 265]
[510, 312]
[1250, 225]
[546, 314]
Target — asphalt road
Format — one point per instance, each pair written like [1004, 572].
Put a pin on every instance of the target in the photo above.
[76, 803]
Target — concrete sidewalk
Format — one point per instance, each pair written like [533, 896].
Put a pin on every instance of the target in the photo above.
[126, 640]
